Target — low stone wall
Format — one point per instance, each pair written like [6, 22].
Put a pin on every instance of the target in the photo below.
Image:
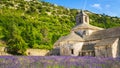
[37, 52]
[3, 51]
[4, 54]
[29, 52]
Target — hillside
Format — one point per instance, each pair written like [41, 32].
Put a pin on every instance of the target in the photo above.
[35, 24]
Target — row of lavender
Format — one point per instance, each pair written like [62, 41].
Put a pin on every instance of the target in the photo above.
[57, 62]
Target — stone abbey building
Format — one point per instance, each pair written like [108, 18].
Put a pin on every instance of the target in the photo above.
[88, 40]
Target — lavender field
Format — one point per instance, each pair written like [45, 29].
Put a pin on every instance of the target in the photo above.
[57, 62]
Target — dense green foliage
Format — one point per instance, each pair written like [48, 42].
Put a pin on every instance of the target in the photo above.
[104, 21]
[34, 24]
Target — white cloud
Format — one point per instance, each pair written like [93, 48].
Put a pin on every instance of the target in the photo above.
[97, 6]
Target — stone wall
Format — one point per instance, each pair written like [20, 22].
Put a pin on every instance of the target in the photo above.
[118, 51]
[110, 50]
[37, 52]
[77, 48]
[3, 51]
[55, 51]
[115, 48]
[29, 52]
[64, 50]
[103, 51]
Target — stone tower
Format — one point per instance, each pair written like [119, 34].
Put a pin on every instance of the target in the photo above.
[82, 18]
[83, 28]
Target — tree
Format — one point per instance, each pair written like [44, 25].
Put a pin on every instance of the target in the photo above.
[17, 45]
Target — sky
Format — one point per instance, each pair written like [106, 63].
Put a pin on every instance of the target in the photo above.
[108, 7]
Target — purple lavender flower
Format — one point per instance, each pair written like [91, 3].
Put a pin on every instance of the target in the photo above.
[58, 62]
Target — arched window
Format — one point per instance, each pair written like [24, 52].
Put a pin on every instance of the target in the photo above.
[85, 19]
[79, 20]
[72, 51]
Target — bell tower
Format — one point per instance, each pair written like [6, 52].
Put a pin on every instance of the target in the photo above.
[82, 18]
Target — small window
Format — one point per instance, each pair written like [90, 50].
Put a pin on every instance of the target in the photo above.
[72, 51]
[83, 54]
[84, 32]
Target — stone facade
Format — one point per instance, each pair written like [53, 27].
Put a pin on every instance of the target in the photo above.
[88, 40]
[108, 50]
[71, 49]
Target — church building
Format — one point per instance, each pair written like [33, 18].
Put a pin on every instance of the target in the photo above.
[88, 40]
